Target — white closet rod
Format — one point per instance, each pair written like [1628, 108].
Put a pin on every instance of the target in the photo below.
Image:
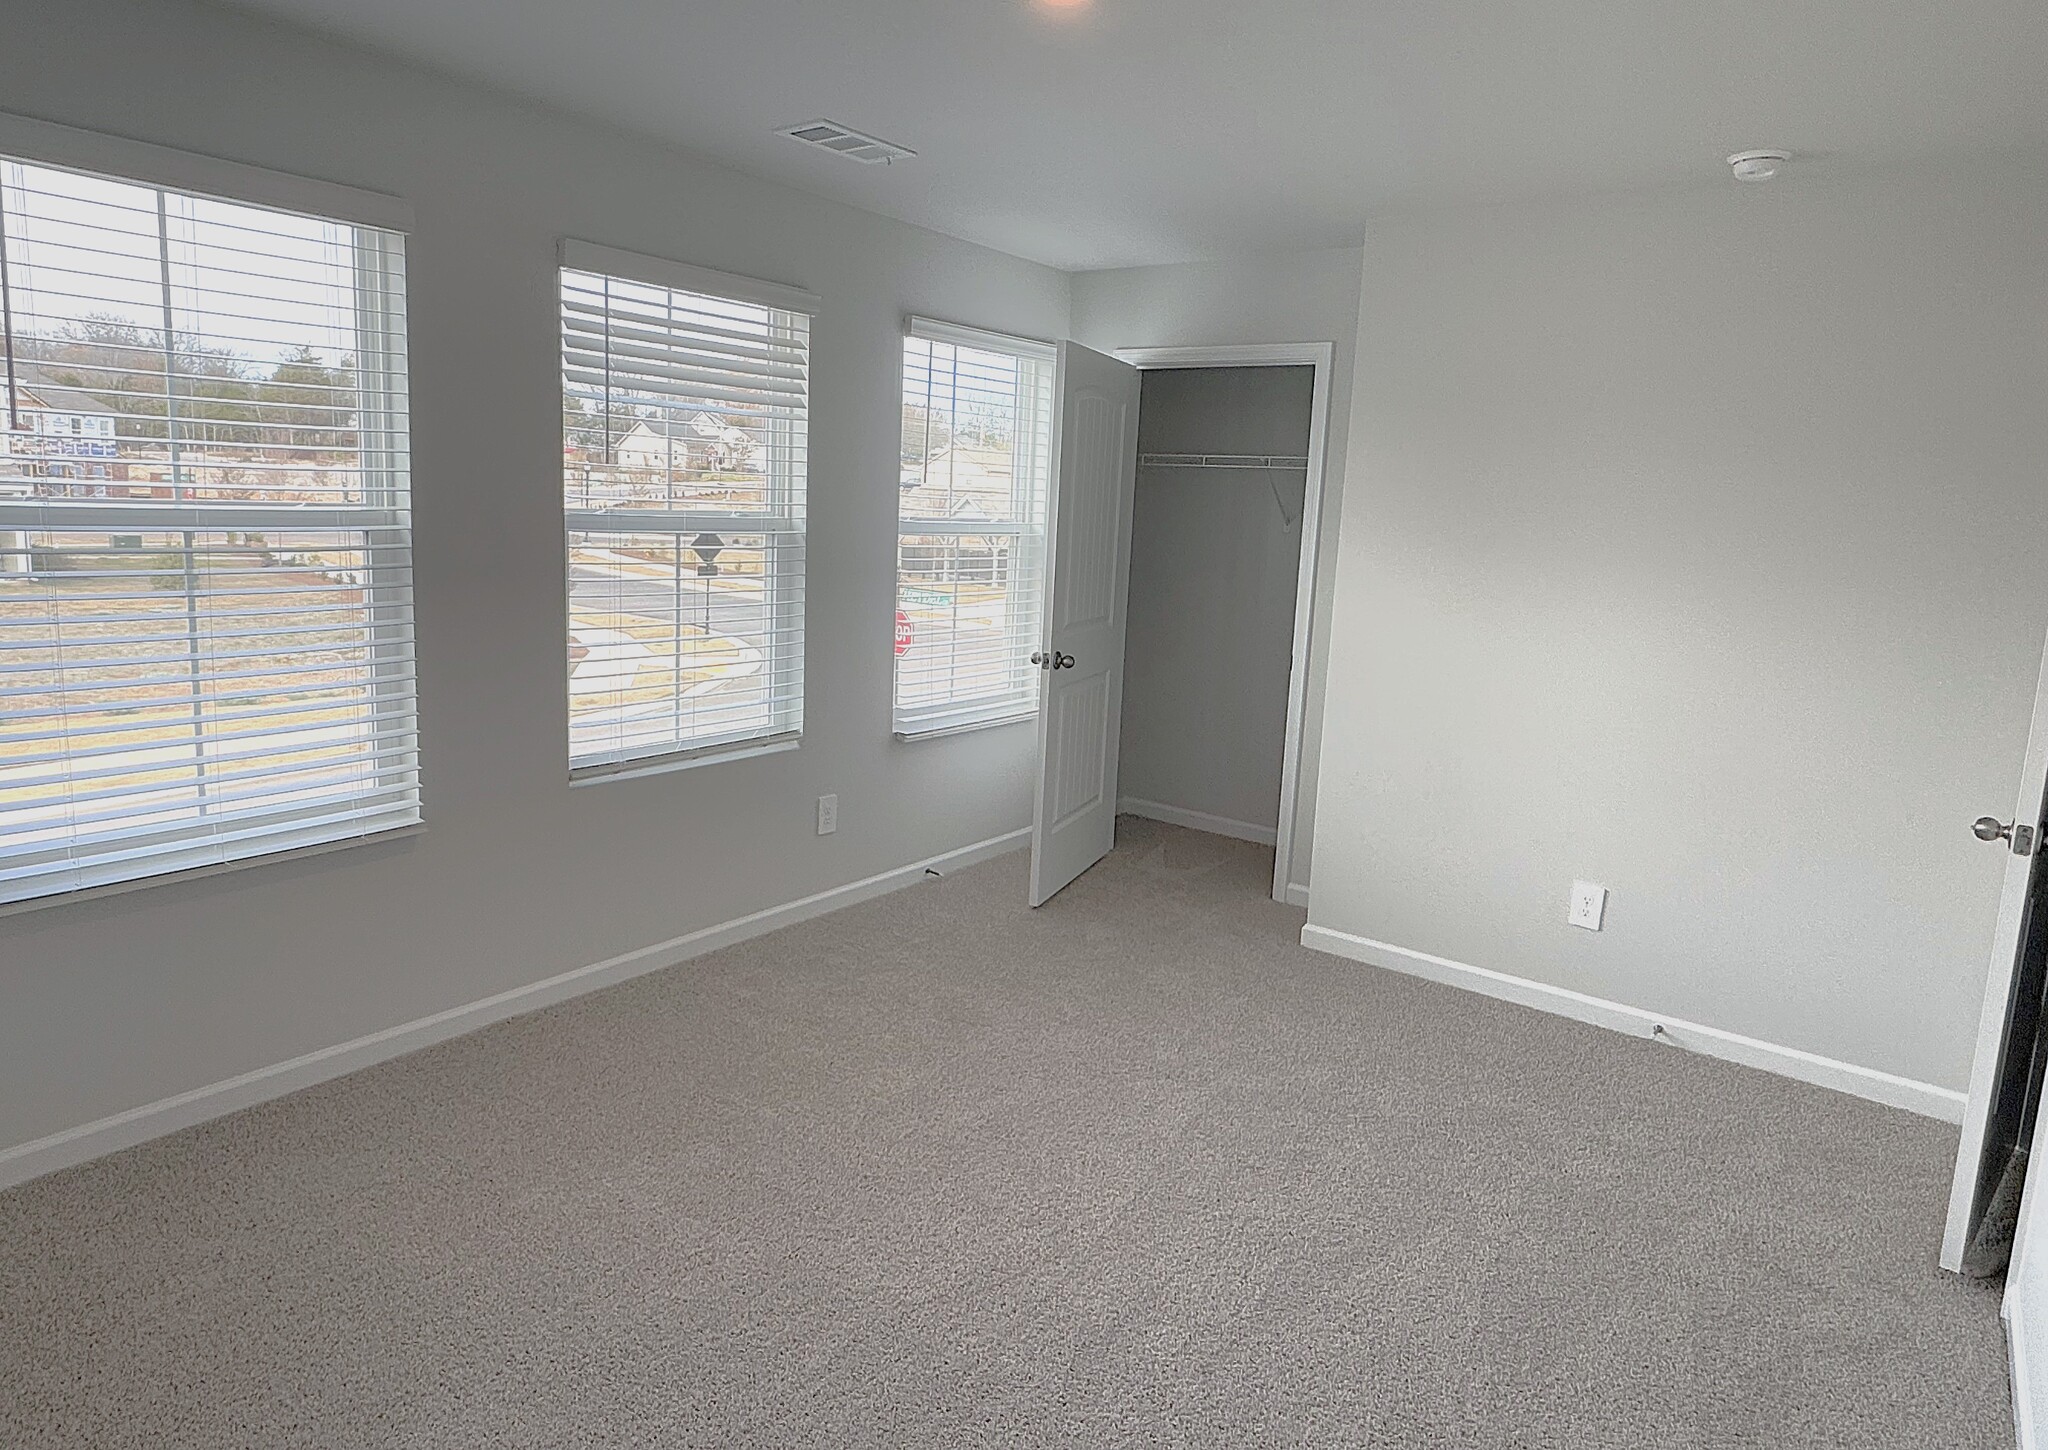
[1220, 460]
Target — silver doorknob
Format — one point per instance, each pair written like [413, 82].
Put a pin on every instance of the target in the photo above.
[1990, 828]
[1038, 657]
[1062, 661]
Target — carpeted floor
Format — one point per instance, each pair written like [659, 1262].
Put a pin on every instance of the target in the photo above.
[1134, 1169]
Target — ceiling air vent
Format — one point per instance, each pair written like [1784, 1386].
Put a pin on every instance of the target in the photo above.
[851, 144]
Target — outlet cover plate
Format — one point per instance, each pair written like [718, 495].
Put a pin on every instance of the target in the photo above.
[1588, 905]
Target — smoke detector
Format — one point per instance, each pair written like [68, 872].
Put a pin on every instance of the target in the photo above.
[1757, 165]
[845, 141]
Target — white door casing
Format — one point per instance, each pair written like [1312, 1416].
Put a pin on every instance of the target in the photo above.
[2025, 1309]
[1321, 356]
[1095, 439]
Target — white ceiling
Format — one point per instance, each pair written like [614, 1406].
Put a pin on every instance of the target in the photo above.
[1162, 130]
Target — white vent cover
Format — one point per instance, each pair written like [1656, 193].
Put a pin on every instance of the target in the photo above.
[852, 144]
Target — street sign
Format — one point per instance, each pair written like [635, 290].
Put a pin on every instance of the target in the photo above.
[904, 637]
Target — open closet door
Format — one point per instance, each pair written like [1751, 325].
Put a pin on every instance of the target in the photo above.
[2008, 1028]
[1081, 654]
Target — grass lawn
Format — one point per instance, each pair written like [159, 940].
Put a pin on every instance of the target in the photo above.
[129, 663]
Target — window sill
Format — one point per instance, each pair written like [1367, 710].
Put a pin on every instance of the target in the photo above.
[583, 775]
[201, 873]
[932, 730]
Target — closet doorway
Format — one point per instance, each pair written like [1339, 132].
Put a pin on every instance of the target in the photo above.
[1224, 532]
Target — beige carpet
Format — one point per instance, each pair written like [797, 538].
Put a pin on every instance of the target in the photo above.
[939, 1171]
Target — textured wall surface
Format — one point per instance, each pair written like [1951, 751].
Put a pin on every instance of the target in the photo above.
[1691, 544]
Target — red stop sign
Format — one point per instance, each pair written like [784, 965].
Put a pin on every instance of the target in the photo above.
[904, 637]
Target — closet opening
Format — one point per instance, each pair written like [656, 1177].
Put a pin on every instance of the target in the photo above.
[1211, 719]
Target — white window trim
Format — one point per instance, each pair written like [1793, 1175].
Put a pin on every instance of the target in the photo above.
[599, 260]
[685, 277]
[964, 722]
[215, 868]
[931, 329]
[993, 711]
[45, 143]
[634, 767]
[67, 147]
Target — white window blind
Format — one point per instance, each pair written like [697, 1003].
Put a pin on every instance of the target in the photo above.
[971, 526]
[685, 400]
[205, 593]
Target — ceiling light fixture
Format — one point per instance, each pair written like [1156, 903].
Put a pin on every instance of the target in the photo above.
[1757, 165]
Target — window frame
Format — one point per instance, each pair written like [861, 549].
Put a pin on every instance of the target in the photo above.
[1033, 537]
[388, 593]
[784, 527]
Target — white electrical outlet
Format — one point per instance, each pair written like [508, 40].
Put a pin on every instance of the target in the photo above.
[1588, 905]
[828, 814]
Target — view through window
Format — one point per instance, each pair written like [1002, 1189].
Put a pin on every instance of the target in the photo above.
[683, 452]
[976, 471]
[205, 592]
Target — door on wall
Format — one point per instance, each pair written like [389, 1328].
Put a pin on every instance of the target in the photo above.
[1081, 650]
[1998, 1117]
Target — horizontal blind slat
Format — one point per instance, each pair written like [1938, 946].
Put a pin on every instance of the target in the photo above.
[386, 724]
[257, 834]
[223, 795]
[282, 754]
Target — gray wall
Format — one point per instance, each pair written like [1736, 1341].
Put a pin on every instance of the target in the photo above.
[1691, 544]
[114, 1003]
[1214, 555]
[1288, 297]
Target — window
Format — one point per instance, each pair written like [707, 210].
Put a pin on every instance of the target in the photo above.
[970, 526]
[205, 600]
[685, 403]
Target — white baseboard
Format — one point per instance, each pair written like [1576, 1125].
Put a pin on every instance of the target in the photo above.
[1864, 1082]
[167, 1115]
[1198, 820]
[1297, 894]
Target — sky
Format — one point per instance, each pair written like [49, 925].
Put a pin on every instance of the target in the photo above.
[240, 278]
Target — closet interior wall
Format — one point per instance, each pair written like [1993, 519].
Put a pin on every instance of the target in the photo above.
[1215, 548]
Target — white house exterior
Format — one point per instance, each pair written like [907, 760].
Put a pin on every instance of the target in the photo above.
[55, 431]
[706, 442]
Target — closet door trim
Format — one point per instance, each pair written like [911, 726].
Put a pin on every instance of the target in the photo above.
[1321, 356]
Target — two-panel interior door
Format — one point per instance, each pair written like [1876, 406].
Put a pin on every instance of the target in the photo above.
[2007, 1026]
[1081, 651]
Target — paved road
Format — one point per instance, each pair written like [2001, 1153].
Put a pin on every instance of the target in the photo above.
[727, 606]
[715, 603]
